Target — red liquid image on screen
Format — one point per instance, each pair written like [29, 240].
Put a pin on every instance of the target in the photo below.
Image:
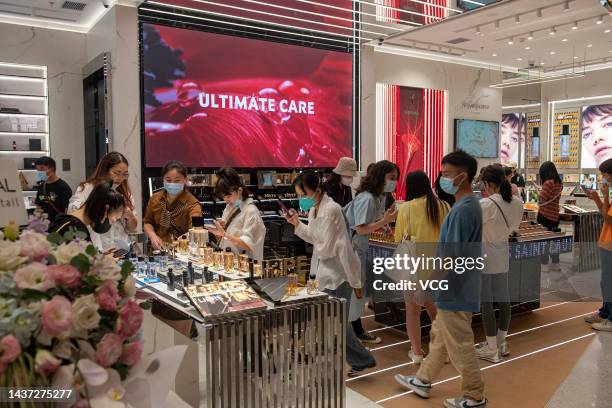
[214, 100]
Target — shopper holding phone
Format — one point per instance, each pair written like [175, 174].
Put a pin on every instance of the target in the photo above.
[365, 215]
[334, 262]
[112, 168]
[548, 206]
[169, 211]
[602, 319]
[240, 227]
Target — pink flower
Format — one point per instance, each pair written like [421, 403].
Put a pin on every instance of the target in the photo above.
[107, 296]
[130, 319]
[9, 350]
[45, 363]
[56, 315]
[105, 267]
[109, 350]
[34, 276]
[34, 246]
[131, 353]
[65, 275]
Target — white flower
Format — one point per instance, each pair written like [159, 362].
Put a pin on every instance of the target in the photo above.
[65, 252]
[63, 349]
[34, 246]
[34, 276]
[85, 313]
[129, 287]
[9, 255]
[105, 267]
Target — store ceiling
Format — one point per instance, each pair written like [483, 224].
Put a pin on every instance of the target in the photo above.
[485, 35]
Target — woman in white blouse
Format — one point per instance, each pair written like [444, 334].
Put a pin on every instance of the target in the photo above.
[241, 227]
[112, 167]
[334, 263]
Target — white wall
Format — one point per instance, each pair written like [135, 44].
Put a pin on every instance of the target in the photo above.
[468, 93]
[64, 54]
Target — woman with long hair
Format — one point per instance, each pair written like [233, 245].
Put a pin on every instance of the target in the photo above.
[241, 227]
[114, 169]
[419, 220]
[334, 262]
[548, 205]
[338, 186]
[502, 213]
[365, 215]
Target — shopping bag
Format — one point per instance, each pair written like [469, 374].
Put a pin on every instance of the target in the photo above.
[406, 247]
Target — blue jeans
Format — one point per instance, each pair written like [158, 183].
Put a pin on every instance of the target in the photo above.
[357, 356]
[606, 284]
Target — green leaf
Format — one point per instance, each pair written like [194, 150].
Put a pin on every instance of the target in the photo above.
[32, 294]
[81, 262]
[92, 280]
[91, 250]
[80, 235]
[126, 269]
[146, 305]
[55, 238]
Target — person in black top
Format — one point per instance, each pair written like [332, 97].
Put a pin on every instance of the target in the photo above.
[103, 207]
[53, 193]
[338, 186]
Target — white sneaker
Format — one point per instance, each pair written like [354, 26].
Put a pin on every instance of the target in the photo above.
[593, 318]
[504, 350]
[412, 383]
[485, 353]
[604, 325]
[416, 358]
[465, 403]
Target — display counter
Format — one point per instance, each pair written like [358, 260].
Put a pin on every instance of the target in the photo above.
[289, 353]
[587, 228]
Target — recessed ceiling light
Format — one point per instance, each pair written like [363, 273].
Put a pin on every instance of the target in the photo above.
[519, 59]
[539, 13]
[590, 46]
[600, 20]
[576, 57]
[552, 53]
[478, 30]
[552, 31]
[510, 41]
[517, 19]
[530, 36]
[541, 63]
[495, 55]
[607, 31]
[496, 23]
[575, 26]
[564, 40]
[528, 48]
[566, 6]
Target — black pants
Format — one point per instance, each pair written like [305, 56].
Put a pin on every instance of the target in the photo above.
[550, 225]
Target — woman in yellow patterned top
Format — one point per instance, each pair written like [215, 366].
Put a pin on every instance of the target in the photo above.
[419, 220]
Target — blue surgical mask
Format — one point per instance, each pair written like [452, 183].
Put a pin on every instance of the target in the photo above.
[41, 175]
[448, 186]
[237, 204]
[174, 188]
[390, 186]
[306, 203]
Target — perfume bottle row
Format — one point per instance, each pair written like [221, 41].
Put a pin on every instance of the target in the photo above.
[384, 235]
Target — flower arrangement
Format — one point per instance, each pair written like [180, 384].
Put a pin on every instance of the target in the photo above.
[68, 317]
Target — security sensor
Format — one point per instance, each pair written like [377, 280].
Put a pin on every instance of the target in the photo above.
[106, 3]
[381, 41]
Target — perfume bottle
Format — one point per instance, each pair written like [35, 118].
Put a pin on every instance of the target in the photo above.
[244, 262]
[256, 269]
[228, 260]
[185, 276]
[205, 275]
[191, 273]
[170, 280]
[208, 255]
[218, 259]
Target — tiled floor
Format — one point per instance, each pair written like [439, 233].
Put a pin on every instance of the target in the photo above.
[545, 345]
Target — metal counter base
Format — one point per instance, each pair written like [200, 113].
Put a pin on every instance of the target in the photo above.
[286, 356]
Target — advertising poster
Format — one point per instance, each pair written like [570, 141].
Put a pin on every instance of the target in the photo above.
[512, 136]
[596, 131]
[566, 138]
[533, 139]
[215, 100]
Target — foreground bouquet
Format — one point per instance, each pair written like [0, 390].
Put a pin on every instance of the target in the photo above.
[68, 317]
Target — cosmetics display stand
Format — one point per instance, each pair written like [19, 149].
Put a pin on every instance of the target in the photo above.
[587, 228]
[285, 355]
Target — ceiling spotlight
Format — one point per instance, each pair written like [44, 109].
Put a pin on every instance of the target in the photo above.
[495, 55]
[539, 13]
[576, 57]
[566, 6]
[519, 59]
[517, 19]
[496, 23]
[575, 26]
[600, 20]
[590, 46]
[478, 32]
[552, 53]
[607, 31]
[530, 37]
[528, 48]
[552, 31]
[564, 40]
[541, 63]
[510, 41]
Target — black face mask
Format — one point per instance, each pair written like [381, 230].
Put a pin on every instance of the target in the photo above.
[102, 228]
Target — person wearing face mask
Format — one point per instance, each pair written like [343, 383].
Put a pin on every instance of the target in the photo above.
[338, 187]
[334, 262]
[365, 215]
[169, 211]
[52, 193]
[602, 319]
[240, 227]
[113, 168]
[102, 209]
[451, 333]
[502, 213]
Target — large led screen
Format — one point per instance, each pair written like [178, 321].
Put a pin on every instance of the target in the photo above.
[214, 100]
[477, 137]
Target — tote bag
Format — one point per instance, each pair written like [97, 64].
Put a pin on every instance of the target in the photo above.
[407, 247]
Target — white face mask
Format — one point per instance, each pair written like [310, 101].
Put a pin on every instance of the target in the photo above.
[347, 181]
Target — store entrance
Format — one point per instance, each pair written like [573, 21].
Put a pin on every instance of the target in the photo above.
[96, 139]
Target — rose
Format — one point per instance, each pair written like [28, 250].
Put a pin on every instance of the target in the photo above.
[9, 350]
[34, 246]
[65, 252]
[9, 255]
[105, 267]
[85, 313]
[34, 276]
[107, 296]
[56, 315]
[131, 353]
[45, 363]
[129, 287]
[65, 275]
[109, 350]
[130, 319]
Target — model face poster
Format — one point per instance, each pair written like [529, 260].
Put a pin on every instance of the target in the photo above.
[596, 130]
[512, 134]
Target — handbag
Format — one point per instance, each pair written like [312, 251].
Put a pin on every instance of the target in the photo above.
[406, 247]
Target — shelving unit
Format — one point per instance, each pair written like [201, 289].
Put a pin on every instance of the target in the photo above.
[24, 118]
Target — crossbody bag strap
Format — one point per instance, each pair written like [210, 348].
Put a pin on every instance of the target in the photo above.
[502, 212]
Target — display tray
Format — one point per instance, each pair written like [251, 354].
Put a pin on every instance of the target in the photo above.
[224, 298]
[275, 291]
